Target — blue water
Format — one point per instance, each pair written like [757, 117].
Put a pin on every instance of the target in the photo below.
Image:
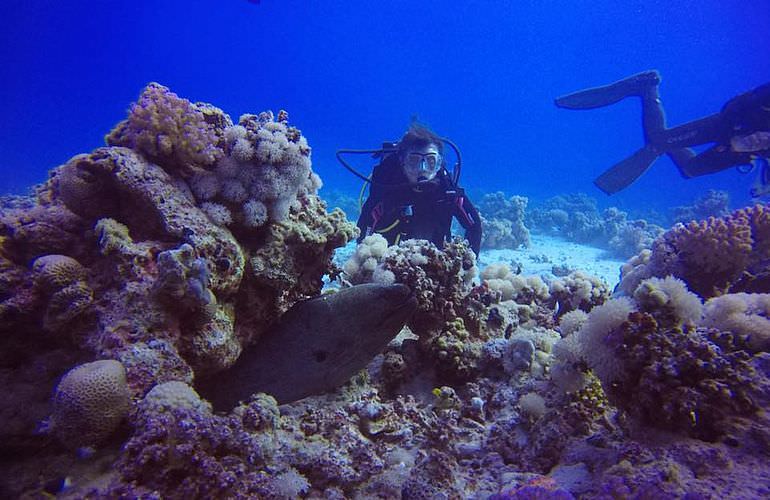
[352, 74]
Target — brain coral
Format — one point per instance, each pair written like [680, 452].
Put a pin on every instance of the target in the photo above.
[54, 272]
[90, 402]
[62, 279]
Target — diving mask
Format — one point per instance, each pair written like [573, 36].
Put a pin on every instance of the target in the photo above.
[422, 163]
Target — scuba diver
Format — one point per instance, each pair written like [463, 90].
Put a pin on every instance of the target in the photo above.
[413, 195]
[740, 133]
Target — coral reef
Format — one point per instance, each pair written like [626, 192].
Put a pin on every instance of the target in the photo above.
[713, 204]
[655, 363]
[503, 221]
[118, 257]
[577, 218]
[166, 253]
[713, 256]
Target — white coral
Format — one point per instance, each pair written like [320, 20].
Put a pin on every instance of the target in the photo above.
[669, 300]
[742, 314]
[591, 337]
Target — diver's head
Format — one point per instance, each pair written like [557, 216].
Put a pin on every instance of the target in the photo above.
[420, 152]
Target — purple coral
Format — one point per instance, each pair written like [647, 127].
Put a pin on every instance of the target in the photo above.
[684, 379]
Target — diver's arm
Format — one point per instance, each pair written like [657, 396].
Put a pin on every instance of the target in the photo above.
[364, 220]
[468, 216]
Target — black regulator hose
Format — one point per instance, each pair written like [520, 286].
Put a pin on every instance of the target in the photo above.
[376, 153]
[340, 152]
[458, 164]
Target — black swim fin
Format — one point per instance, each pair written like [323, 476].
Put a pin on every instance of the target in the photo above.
[605, 95]
[623, 174]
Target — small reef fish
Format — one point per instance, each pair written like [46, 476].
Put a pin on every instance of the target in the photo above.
[317, 345]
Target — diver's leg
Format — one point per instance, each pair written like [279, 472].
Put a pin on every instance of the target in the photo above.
[653, 116]
[701, 131]
[714, 159]
[682, 158]
[597, 97]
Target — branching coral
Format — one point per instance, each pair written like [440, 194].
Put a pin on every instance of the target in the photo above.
[715, 256]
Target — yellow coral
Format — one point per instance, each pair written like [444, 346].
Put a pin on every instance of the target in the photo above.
[113, 236]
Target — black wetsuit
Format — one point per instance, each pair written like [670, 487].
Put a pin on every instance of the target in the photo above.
[399, 211]
[740, 116]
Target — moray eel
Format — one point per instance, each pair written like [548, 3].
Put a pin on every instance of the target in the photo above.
[317, 345]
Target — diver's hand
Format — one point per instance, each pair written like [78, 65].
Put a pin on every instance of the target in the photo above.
[758, 141]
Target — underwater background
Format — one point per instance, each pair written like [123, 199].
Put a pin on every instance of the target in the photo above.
[353, 74]
[185, 311]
